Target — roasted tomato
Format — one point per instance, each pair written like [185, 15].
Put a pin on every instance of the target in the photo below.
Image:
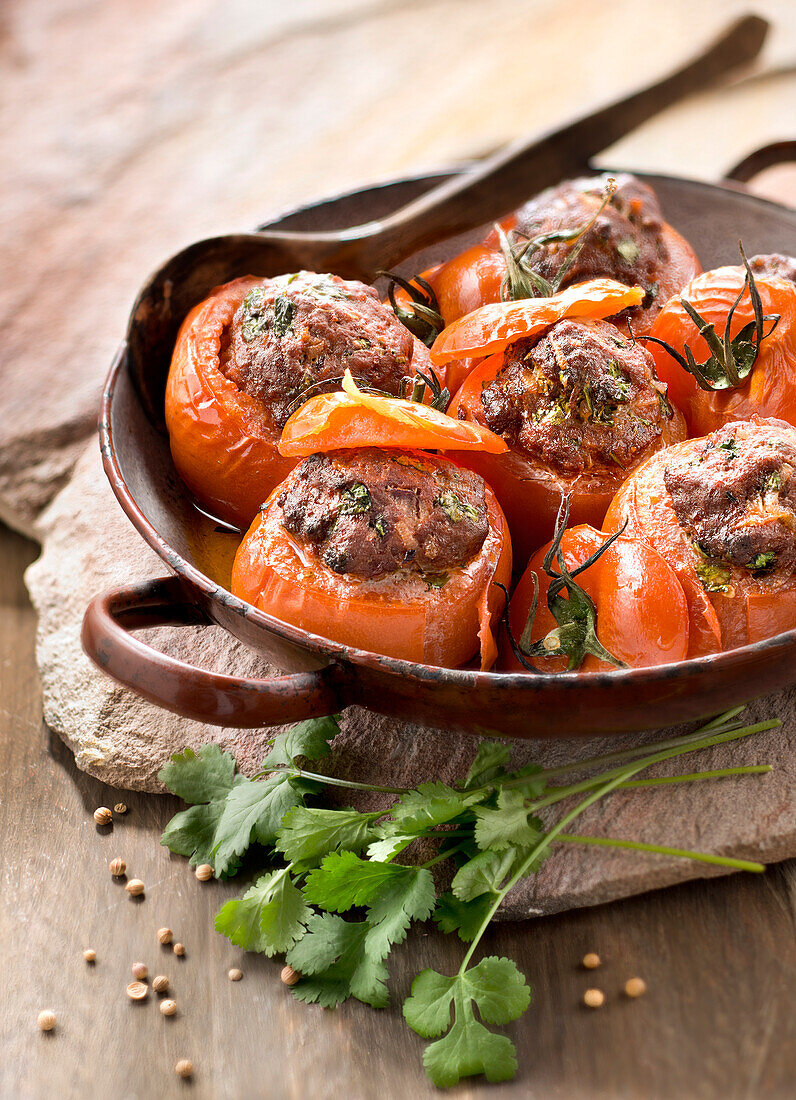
[579, 407]
[396, 552]
[760, 377]
[722, 512]
[248, 354]
[638, 608]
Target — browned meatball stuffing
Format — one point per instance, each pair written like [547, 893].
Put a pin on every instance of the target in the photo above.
[624, 243]
[774, 264]
[298, 330]
[737, 501]
[582, 395]
[373, 512]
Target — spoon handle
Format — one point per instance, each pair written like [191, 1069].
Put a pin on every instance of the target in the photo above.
[505, 180]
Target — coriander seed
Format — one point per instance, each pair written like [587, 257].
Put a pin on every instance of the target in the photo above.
[168, 1008]
[90, 955]
[594, 998]
[135, 887]
[103, 816]
[204, 872]
[165, 935]
[160, 983]
[179, 949]
[184, 1068]
[235, 975]
[138, 991]
[140, 971]
[289, 976]
[120, 808]
[46, 1020]
[117, 867]
[635, 987]
[591, 960]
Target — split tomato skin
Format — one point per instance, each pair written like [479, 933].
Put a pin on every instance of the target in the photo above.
[222, 444]
[642, 612]
[753, 607]
[399, 616]
[770, 388]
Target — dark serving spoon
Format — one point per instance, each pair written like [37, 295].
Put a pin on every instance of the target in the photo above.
[492, 188]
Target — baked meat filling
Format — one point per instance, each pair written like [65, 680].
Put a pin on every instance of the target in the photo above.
[737, 500]
[583, 395]
[303, 330]
[624, 243]
[370, 512]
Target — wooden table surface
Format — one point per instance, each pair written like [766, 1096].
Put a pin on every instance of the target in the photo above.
[145, 124]
[719, 959]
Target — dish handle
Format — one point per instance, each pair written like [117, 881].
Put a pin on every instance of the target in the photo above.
[189, 691]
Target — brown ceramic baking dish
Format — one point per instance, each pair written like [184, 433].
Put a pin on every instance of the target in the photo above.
[321, 676]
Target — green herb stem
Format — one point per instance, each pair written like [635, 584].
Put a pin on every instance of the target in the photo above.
[541, 847]
[661, 849]
[695, 777]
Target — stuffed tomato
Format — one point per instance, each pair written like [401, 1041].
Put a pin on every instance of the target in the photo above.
[393, 551]
[745, 364]
[576, 401]
[721, 511]
[628, 607]
[253, 350]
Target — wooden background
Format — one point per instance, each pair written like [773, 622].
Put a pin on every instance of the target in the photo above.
[128, 128]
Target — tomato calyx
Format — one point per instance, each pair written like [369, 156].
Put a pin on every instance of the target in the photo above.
[575, 634]
[521, 281]
[732, 357]
[422, 315]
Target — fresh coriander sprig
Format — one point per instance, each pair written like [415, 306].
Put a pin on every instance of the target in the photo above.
[335, 900]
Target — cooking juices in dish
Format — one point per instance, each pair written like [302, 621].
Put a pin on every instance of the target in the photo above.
[246, 356]
[321, 418]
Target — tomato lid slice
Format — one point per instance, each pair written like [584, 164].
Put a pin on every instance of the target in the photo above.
[354, 418]
[493, 327]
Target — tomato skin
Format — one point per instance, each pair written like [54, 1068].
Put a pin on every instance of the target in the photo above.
[642, 613]
[682, 266]
[403, 619]
[222, 447]
[754, 608]
[529, 493]
[335, 421]
[770, 388]
[493, 327]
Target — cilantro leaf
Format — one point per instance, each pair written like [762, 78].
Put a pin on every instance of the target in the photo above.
[509, 823]
[431, 804]
[483, 874]
[269, 918]
[388, 846]
[191, 832]
[500, 993]
[394, 895]
[463, 917]
[489, 763]
[253, 810]
[310, 739]
[201, 776]
[308, 833]
[334, 964]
